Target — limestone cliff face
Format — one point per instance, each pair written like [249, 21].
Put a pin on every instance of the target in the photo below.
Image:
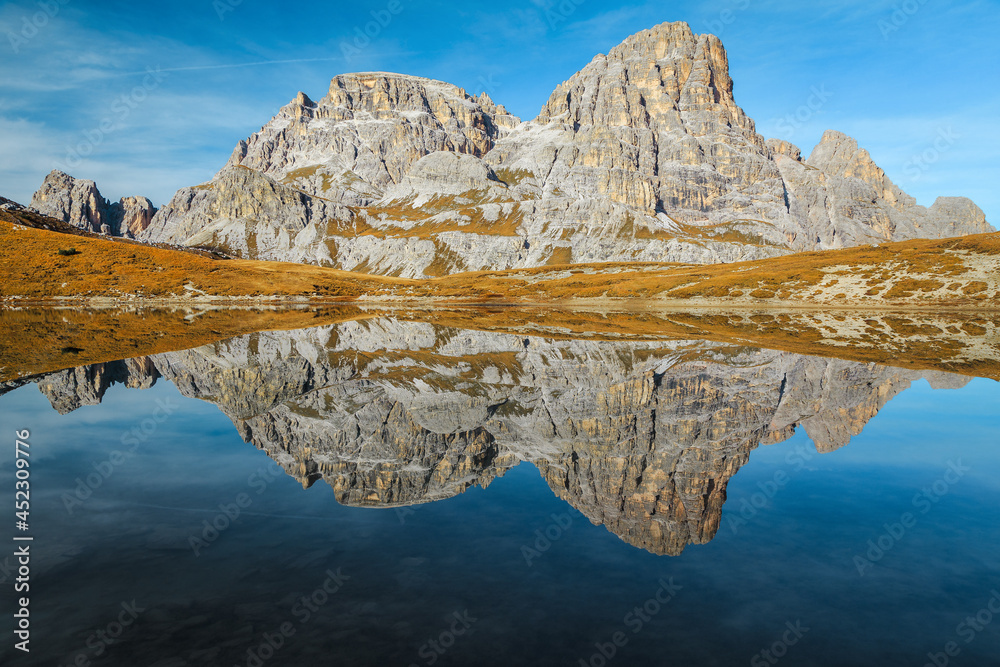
[367, 131]
[245, 213]
[644, 155]
[848, 200]
[642, 437]
[131, 215]
[652, 125]
[72, 200]
[80, 203]
[73, 388]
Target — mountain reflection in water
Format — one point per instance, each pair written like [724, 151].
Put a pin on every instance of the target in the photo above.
[640, 437]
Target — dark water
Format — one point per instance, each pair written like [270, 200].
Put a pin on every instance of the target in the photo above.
[630, 496]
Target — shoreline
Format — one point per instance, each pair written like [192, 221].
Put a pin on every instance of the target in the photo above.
[609, 304]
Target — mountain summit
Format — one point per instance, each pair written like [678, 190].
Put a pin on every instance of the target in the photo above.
[643, 155]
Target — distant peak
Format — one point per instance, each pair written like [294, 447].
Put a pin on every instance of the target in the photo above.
[835, 137]
[667, 29]
[371, 78]
[660, 40]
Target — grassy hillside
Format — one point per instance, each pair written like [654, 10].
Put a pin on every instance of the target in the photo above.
[950, 273]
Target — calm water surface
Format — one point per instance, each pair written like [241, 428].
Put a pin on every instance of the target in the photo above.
[384, 493]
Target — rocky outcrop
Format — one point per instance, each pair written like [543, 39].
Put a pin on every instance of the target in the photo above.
[641, 437]
[79, 203]
[652, 125]
[72, 200]
[131, 215]
[644, 155]
[840, 185]
[368, 130]
[247, 214]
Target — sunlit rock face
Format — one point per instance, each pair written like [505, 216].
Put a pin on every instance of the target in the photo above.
[80, 203]
[370, 129]
[642, 437]
[845, 199]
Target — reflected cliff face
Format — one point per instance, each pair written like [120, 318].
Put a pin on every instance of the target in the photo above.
[642, 438]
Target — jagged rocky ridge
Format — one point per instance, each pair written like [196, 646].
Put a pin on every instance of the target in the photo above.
[641, 437]
[642, 155]
[80, 203]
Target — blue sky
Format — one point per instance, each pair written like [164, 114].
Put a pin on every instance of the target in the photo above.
[913, 80]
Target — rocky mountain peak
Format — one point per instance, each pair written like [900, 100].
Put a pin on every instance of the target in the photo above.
[786, 148]
[73, 200]
[367, 131]
[839, 154]
[665, 76]
[78, 202]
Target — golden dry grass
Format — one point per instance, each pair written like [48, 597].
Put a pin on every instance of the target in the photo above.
[902, 273]
[33, 269]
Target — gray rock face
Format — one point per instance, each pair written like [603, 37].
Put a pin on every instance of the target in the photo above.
[79, 203]
[839, 185]
[644, 155]
[641, 437]
[367, 131]
[446, 173]
[85, 385]
[652, 125]
[131, 215]
[247, 214]
[72, 200]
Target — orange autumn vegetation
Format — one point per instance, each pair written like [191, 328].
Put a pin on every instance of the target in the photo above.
[34, 270]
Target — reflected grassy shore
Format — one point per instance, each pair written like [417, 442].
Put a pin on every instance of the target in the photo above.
[42, 340]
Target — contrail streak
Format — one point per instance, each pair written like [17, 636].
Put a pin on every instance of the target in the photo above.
[195, 68]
